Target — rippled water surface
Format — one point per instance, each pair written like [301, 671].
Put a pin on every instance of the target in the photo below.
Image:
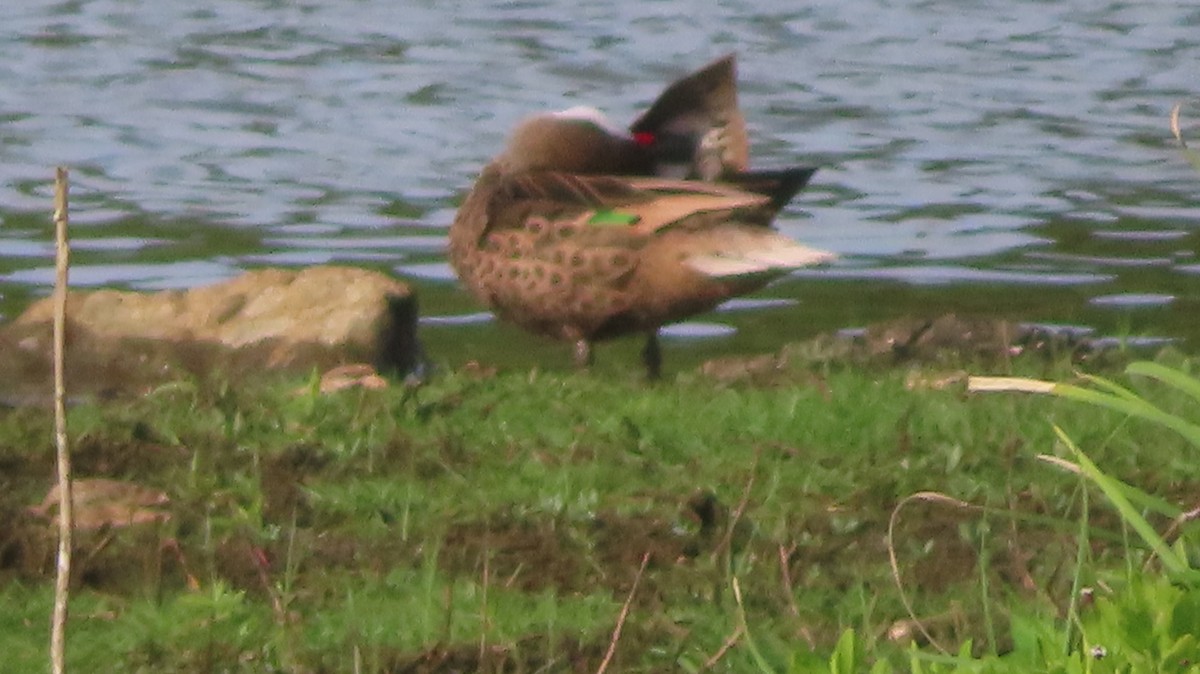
[1007, 157]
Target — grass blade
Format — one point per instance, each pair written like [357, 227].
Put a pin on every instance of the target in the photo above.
[1116, 495]
[1118, 400]
[1141, 498]
[1169, 376]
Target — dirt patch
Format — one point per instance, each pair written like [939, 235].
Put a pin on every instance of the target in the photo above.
[26, 547]
[282, 481]
[528, 554]
[131, 460]
[539, 553]
[127, 560]
[932, 550]
[111, 557]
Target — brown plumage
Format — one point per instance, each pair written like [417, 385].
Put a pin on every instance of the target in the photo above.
[570, 233]
[695, 125]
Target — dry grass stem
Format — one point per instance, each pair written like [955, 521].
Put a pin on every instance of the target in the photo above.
[58, 629]
[928, 497]
[737, 513]
[1168, 536]
[786, 577]
[1059, 462]
[789, 591]
[483, 609]
[616, 635]
[991, 384]
[729, 643]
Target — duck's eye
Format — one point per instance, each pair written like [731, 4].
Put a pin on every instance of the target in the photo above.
[644, 138]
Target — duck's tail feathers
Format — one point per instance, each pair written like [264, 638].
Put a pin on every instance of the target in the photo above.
[769, 254]
[780, 185]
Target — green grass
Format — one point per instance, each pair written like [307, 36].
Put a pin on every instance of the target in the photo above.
[496, 523]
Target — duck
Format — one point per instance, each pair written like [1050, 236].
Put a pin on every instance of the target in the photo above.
[582, 231]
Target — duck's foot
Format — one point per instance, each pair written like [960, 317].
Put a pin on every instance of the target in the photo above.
[652, 357]
[583, 354]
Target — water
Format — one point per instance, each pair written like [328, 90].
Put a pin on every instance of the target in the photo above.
[1002, 157]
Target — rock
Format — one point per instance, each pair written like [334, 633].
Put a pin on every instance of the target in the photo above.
[267, 320]
[101, 503]
[342, 377]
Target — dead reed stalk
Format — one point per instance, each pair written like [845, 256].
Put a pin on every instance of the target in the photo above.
[58, 625]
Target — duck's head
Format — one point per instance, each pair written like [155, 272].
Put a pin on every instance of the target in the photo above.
[695, 126]
[576, 140]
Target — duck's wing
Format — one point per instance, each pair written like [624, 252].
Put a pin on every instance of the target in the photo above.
[595, 222]
[607, 207]
[696, 123]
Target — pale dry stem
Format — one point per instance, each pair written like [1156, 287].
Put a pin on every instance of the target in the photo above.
[729, 643]
[483, 609]
[616, 635]
[738, 511]
[790, 592]
[1168, 536]
[929, 497]
[66, 518]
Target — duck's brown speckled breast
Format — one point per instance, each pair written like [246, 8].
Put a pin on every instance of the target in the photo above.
[553, 278]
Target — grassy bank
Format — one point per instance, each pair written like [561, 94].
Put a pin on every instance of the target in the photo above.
[497, 522]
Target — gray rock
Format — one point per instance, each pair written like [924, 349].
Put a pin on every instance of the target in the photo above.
[268, 320]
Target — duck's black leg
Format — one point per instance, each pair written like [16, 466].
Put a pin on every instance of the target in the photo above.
[652, 356]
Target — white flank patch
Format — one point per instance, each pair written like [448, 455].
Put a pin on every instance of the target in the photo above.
[791, 257]
[718, 266]
[774, 260]
[586, 113]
